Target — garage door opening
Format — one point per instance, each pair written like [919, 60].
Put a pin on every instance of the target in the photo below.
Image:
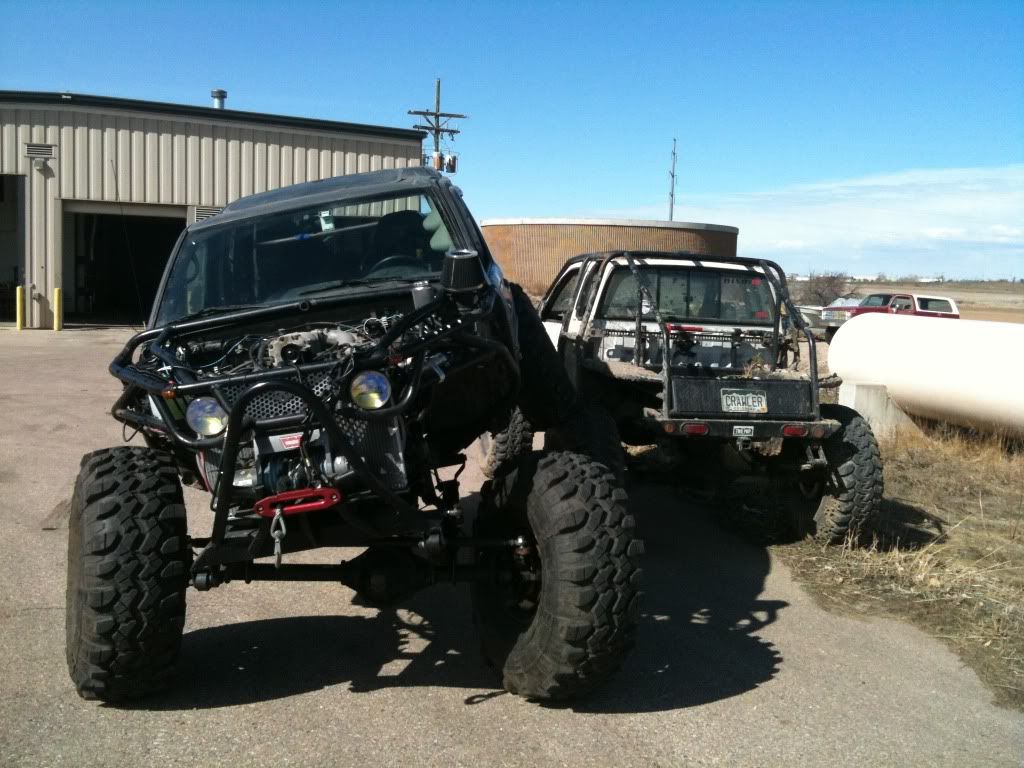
[12, 242]
[113, 267]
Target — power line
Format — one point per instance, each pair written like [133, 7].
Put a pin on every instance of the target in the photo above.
[438, 123]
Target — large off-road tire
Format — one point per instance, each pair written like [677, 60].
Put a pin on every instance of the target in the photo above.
[546, 396]
[852, 486]
[558, 614]
[514, 441]
[128, 563]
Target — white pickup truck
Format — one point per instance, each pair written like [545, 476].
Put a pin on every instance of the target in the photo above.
[692, 352]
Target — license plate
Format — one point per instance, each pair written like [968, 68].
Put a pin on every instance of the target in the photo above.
[744, 401]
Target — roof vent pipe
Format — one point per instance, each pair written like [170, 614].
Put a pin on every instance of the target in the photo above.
[219, 94]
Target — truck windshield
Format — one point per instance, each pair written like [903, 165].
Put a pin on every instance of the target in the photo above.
[683, 293]
[281, 257]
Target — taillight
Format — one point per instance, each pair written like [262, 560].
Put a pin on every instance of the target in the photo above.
[696, 429]
[794, 430]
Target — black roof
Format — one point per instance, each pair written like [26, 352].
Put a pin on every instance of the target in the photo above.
[356, 185]
[71, 100]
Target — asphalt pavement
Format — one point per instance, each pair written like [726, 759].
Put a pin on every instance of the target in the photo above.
[735, 664]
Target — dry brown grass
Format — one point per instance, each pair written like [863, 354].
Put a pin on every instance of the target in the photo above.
[947, 553]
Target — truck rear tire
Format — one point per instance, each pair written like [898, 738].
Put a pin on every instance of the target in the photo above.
[509, 444]
[128, 563]
[853, 484]
[557, 614]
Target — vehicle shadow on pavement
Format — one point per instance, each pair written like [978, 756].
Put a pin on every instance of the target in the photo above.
[697, 642]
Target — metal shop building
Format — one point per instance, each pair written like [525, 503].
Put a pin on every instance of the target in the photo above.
[531, 251]
[94, 191]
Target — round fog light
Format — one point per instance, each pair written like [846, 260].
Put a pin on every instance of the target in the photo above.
[370, 390]
[206, 417]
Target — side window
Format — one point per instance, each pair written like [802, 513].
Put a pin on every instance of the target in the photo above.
[902, 304]
[934, 305]
[590, 283]
[560, 300]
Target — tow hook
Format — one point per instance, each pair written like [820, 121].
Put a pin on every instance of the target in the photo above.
[815, 458]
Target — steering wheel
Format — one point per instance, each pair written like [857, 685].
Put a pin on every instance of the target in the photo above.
[395, 261]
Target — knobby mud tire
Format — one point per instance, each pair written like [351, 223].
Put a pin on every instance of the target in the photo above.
[507, 445]
[128, 564]
[853, 486]
[580, 624]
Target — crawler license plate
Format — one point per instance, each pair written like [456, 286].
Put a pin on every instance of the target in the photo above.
[744, 401]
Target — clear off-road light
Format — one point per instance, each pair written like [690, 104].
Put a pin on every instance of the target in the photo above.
[206, 417]
[370, 390]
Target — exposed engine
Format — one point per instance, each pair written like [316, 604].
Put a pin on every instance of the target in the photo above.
[291, 457]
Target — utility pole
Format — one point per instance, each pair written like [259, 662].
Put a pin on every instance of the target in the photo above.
[437, 123]
[672, 190]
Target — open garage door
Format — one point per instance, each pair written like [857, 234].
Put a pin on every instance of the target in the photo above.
[113, 266]
[12, 242]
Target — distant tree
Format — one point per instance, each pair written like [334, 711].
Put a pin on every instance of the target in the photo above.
[881, 277]
[823, 289]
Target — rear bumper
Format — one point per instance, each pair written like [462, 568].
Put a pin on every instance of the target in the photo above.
[754, 429]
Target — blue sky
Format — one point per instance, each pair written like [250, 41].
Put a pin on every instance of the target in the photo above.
[862, 136]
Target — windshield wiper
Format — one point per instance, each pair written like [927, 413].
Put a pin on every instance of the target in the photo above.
[208, 311]
[350, 283]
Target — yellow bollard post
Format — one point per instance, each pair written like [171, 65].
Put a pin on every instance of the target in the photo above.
[19, 308]
[58, 309]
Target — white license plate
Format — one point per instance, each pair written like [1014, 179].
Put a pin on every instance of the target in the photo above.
[744, 401]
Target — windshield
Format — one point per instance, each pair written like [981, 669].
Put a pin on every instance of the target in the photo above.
[282, 257]
[683, 293]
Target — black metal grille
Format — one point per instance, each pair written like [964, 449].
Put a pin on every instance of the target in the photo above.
[275, 404]
[380, 443]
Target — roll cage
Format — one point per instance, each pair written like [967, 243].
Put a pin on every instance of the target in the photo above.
[595, 264]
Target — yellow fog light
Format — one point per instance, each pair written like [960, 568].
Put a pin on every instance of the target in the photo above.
[370, 390]
[206, 417]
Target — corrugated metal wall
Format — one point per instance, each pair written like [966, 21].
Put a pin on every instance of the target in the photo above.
[532, 253]
[105, 155]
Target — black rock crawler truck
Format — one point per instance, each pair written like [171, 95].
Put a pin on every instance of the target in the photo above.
[317, 359]
[701, 356]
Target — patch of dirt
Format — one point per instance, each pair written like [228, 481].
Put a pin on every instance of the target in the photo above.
[946, 553]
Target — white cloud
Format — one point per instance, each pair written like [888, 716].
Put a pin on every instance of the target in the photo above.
[957, 221]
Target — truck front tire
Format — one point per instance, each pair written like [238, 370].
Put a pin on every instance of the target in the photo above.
[558, 613]
[128, 564]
